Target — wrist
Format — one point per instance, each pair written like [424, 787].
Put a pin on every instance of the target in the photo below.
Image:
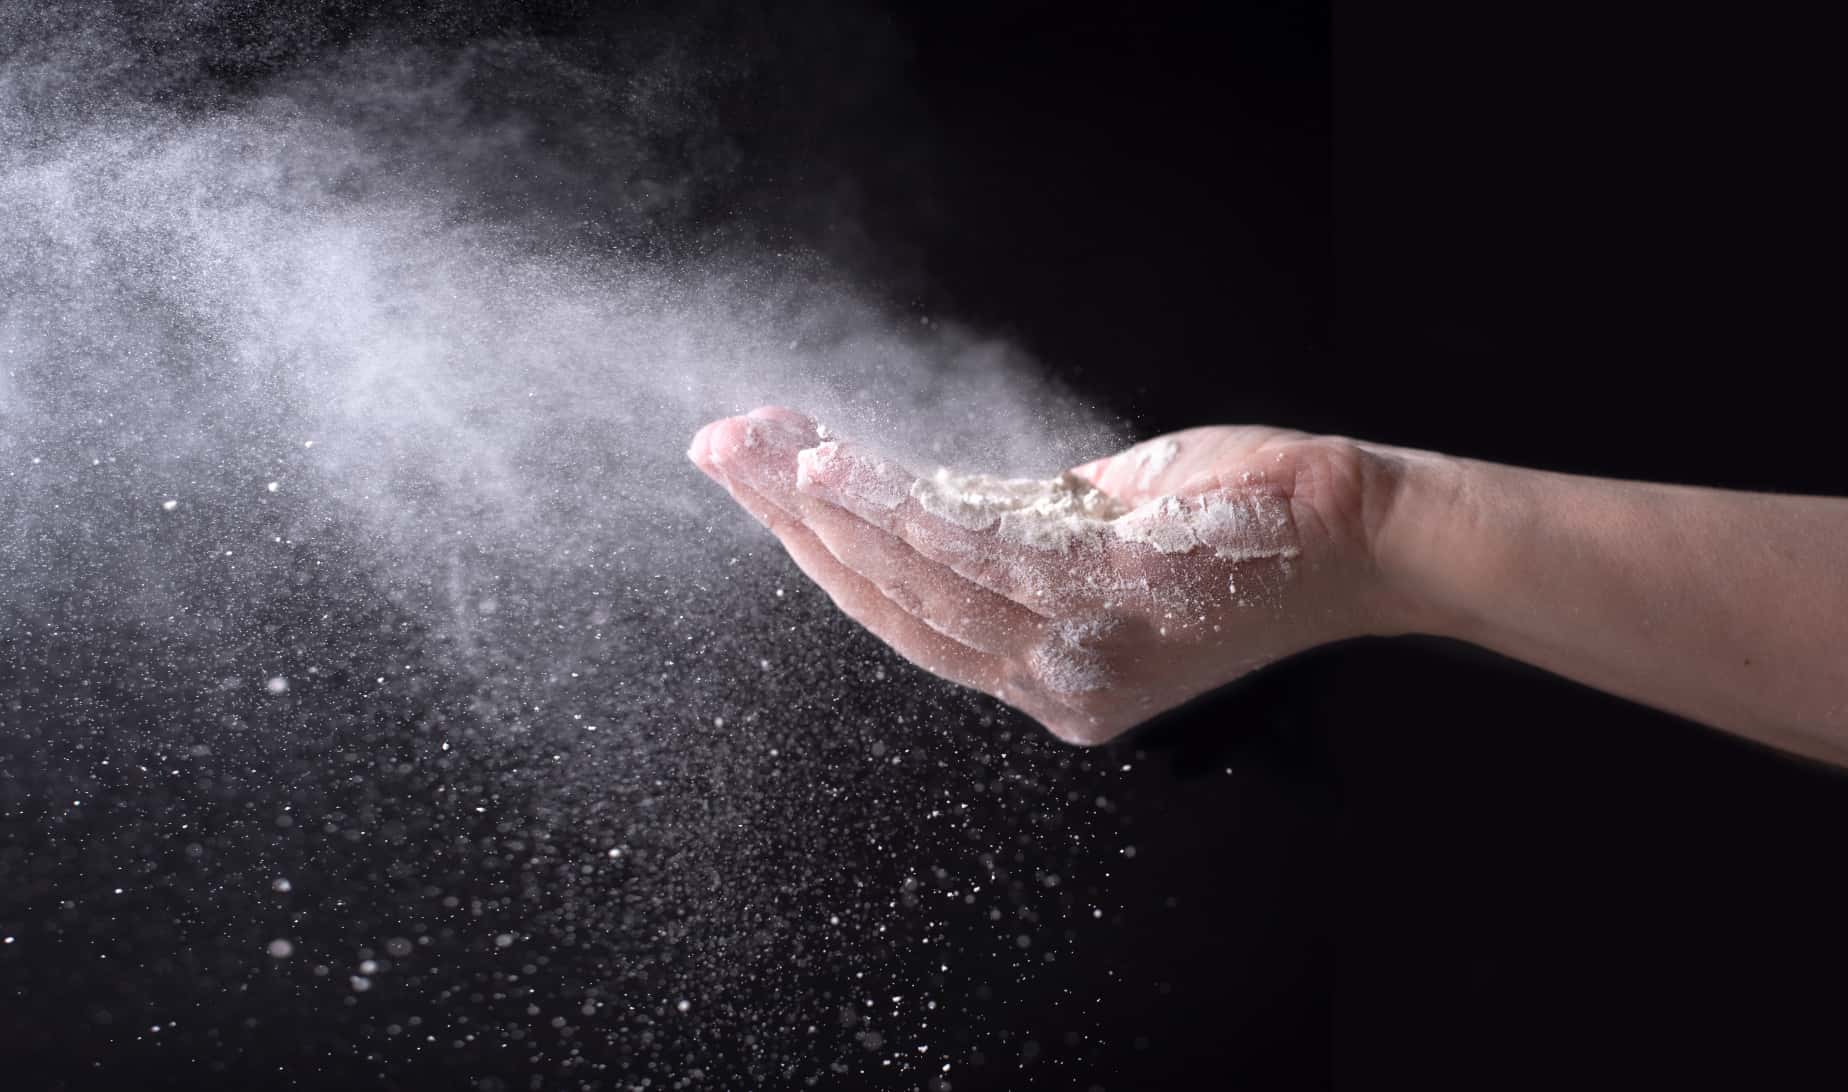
[1419, 537]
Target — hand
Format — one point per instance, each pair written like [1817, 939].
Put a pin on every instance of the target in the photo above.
[1130, 585]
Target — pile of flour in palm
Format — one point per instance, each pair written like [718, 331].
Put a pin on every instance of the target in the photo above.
[1066, 511]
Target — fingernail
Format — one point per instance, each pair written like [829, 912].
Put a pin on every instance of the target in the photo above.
[759, 453]
[737, 440]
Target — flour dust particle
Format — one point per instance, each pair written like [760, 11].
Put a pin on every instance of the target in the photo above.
[342, 497]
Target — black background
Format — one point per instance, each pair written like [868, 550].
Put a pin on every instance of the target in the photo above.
[1579, 240]
[1593, 241]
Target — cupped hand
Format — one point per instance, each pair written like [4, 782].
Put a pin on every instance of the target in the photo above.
[1129, 585]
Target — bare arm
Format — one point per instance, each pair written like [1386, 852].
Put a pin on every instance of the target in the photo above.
[1728, 608]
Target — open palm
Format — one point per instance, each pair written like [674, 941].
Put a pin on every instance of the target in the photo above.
[1179, 563]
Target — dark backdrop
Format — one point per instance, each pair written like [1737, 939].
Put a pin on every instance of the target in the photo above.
[1585, 241]
[1589, 240]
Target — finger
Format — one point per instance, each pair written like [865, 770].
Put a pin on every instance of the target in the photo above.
[758, 442]
[859, 600]
[726, 429]
[700, 452]
[930, 591]
[760, 451]
[1049, 578]
[759, 455]
[917, 642]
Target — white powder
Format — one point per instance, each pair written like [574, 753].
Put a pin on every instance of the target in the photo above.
[1153, 457]
[1160, 523]
[870, 479]
[1048, 515]
[1235, 526]
[1067, 663]
[1059, 513]
[1068, 669]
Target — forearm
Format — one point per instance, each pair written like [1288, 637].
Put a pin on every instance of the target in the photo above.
[1728, 608]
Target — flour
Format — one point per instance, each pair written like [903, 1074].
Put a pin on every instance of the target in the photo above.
[1068, 662]
[1236, 526]
[1151, 458]
[1050, 514]
[866, 477]
[1066, 668]
[1058, 514]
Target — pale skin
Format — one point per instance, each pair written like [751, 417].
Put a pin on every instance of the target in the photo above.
[1727, 608]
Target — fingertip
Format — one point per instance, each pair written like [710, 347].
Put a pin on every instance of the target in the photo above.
[699, 452]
